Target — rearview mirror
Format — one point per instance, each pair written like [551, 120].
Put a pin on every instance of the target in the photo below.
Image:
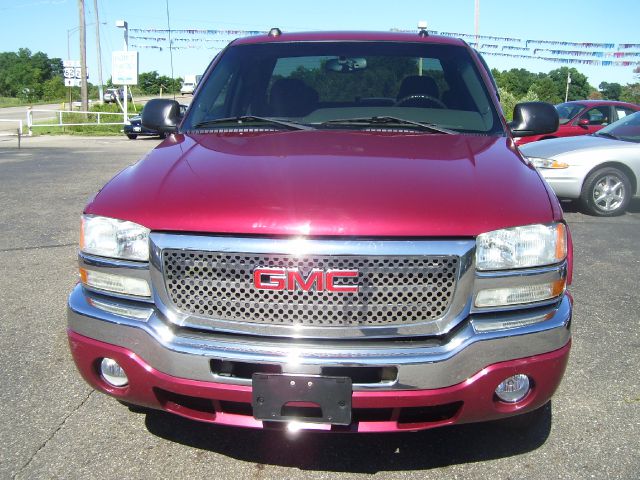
[583, 122]
[345, 64]
[534, 118]
[162, 115]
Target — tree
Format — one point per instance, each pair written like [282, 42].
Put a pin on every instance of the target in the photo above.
[508, 102]
[610, 91]
[149, 83]
[631, 93]
[53, 89]
[546, 90]
[24, 75]
[531, 96]
[517, 81]
[579, 88]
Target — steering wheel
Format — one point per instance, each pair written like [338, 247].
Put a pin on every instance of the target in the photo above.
[420, 96]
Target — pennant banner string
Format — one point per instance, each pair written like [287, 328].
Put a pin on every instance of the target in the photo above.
[193, 39]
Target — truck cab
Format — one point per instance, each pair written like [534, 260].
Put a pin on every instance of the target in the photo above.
[189, 84]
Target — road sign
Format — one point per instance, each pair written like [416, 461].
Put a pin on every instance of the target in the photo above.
[72, 73]
[124, 68]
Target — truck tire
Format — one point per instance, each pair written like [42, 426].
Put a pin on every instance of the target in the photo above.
[606, 192]
[131, 136]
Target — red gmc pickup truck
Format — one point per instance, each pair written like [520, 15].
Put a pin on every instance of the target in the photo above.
[339, 234]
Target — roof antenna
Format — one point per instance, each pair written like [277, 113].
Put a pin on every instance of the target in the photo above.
[422, 27]
[170, 48]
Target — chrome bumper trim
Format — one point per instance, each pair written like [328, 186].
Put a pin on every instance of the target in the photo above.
[421, 364]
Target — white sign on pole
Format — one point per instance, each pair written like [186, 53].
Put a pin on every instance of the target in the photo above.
[124, 68]
[72, 73]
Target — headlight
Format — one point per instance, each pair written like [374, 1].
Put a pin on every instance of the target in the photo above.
[109, 237]
[521, 247]
[547, 163]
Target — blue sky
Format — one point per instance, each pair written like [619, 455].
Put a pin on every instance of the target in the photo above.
[45, 25]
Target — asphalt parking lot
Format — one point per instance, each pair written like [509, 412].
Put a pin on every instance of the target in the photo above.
[55, 426]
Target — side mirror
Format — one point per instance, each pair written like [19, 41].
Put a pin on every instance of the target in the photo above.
[162, 115]
[534, 118]
[583, 122]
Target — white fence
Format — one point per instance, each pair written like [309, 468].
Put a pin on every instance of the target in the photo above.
[17, 131]
[71, 118]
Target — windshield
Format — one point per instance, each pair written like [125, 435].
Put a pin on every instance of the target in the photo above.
[627, 128]
[319, 83]
[566, 111]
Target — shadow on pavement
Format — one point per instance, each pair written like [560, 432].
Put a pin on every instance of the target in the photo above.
[367, 453]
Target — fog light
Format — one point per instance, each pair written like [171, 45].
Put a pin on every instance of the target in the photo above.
[513, 389]
[113, 373]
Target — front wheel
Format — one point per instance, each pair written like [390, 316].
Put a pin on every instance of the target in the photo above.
[131, 136]
[606, 192]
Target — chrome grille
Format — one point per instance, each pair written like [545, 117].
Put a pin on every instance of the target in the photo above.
[393, 290]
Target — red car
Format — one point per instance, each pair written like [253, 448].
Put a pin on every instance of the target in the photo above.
[339, 234]
[582, 117]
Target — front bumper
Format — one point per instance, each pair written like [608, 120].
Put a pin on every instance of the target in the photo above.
[566, 182]
[437, 381]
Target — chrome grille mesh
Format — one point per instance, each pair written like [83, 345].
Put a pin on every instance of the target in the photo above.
[393, 290]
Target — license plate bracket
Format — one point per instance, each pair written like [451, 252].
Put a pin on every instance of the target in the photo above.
[272, 392]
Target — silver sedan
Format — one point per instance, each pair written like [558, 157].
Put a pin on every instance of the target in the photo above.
[601, 170]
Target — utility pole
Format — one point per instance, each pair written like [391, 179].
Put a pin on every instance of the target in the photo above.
[95, 7]
[83, 58]
[124, 25]
[566, 94]
[422, 28]
[477, 21]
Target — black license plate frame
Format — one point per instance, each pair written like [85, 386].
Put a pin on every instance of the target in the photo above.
[271, 392]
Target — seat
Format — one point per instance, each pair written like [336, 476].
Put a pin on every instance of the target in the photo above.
[290, 97]
[418, 91]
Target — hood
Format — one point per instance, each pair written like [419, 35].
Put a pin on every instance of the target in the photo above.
[347, 183]
[565, 145]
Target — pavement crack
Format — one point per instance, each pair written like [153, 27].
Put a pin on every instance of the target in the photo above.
[53, 434]
[37, 247]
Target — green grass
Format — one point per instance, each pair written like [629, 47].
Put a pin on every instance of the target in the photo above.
[89, 130]
[18, 102]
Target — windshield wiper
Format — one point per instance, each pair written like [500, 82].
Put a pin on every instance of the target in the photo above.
[254, 119]
[386, 120]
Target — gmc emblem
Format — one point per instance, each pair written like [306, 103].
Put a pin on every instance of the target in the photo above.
[291, 279]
